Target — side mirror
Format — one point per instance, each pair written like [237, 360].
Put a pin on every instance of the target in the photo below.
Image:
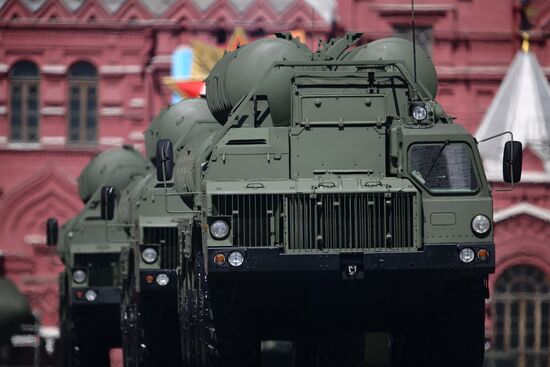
[165, 160]
[512, 160]
[107, 202]
[52, 231]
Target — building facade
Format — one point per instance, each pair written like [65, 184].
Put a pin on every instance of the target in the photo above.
[80, 76]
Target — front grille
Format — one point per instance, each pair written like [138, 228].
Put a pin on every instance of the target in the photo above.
[102, 268]
[344, 221]
[167, 240]
[256, 219]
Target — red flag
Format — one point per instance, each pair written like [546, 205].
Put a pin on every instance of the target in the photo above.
[190, 89]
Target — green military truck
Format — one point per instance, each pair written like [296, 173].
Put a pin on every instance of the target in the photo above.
[152, 215]
[90, 284]
[14, 311]
[338, 198]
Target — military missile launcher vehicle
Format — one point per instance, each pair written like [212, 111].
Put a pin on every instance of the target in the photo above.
[14, 307]
[90, 285]
[151, 213]
[338, 198]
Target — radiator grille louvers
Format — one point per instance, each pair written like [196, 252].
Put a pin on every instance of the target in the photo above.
[343, 221]
[101, 268]
[167, 240]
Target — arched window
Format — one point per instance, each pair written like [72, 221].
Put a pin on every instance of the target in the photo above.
[24, 100]
[521, 315]
[82, 103]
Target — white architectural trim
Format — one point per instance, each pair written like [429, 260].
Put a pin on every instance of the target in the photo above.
[3, 139]
[3, 109]
[418, 8]
[53, 111]
[111, 140]
[54, 69]
[162, 59]
[25, 341]
[53, 140]
[49, 332]
[136, 135]
[522, 208]
[24, 146]
[137, 102]
[4, 68]
[461, 70]
[111, 111]
[526, 177]
[119, 69]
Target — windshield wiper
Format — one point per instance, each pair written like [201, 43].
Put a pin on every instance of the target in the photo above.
[437, 158]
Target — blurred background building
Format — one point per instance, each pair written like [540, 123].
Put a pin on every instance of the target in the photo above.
[80, 76]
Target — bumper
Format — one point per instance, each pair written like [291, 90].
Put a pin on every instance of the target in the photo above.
[433, 258]
[105, 296]
[148, 280]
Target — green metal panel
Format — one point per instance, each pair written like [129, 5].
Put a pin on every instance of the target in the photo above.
[351, 150]
[251, 153]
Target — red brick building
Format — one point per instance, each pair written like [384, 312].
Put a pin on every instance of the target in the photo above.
[78, 76]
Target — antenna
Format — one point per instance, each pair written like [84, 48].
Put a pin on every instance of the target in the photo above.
[414, 41]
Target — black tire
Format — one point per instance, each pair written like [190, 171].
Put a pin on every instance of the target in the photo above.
[131, 336]
[410, 348]
[92, 351]
[331, 351]
[237, 341]
[213, 333]
[82, 346]
[454, 337]
[459, 330]
[198, 336]
[160, 323]
[68, 347]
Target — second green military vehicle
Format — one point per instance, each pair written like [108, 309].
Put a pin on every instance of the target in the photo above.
[150, 318]
[90, 285]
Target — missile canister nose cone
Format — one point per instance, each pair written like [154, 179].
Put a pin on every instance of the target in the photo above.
[238, 72]
[113, 167]
[180, 123]
[400, 49]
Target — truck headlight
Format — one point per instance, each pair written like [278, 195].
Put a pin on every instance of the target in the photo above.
[90, 295]
[419, 112]
[467, 255]
[149, 255]
[162, 279]
[79, 276]
[481, 224]
[219, 230]
[235, 259]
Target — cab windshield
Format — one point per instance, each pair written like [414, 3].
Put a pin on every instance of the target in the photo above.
[444, 167]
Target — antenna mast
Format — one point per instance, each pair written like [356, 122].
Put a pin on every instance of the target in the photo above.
[414, 41]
